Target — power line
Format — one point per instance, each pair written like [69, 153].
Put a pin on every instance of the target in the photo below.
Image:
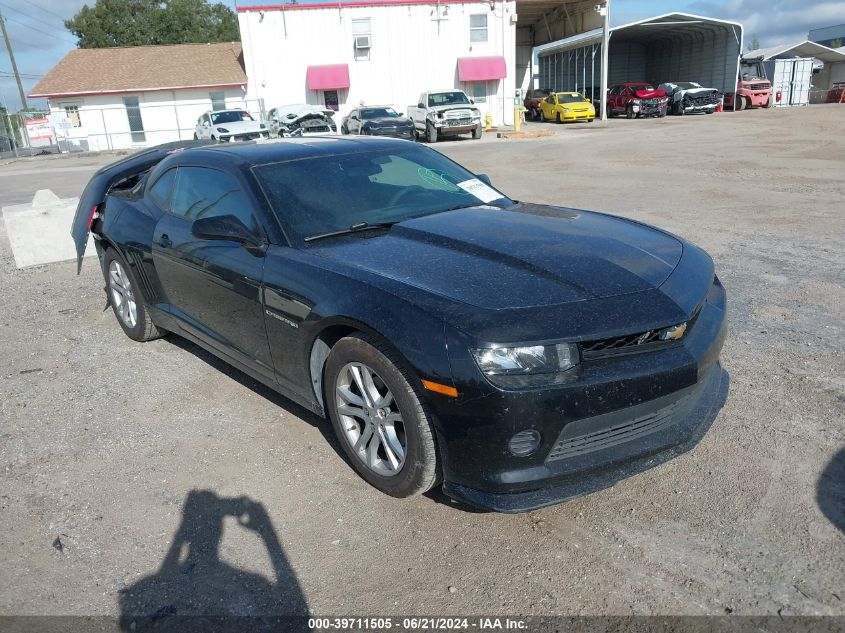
[24, 13]
[58, 32]
[62, 18]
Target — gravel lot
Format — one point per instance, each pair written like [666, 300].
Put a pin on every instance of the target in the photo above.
[115, 456]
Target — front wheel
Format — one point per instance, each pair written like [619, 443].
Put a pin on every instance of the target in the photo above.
[477, 132]
[430, 133]
[126, 302]
[380, 419]
[630, 112]
[557, 118]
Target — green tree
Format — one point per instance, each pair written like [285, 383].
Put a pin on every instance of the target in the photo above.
[141, 22]
[754, 44]
[836, 43]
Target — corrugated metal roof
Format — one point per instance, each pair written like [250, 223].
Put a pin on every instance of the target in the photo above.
[803, 49]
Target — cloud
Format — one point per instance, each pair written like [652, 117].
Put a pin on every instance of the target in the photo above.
[774, 21]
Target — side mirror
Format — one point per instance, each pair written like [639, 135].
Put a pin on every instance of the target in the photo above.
[471, 100]
[225, 227]
[587, 99]
[401, 114]
[485, 179]
[421, 105]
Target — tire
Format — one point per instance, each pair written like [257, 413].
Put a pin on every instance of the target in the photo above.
[768, 103]
[535, 114]
[477, 132]
[740, 103]
[610, 114]
[709, 111]
[557, 118]
[542, 116]
[430, 133]
[196, 138]
[419, 469]
[123, 294]
[629, 113]
[344, 129]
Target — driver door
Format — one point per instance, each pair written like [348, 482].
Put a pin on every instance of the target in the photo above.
[213, 286]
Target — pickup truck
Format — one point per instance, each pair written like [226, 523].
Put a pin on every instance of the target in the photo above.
[445, 113]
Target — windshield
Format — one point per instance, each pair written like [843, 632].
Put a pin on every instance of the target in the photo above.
[314, 196]
[565, 97]
[752, 70]
[233, 116]
[377, 113]
[447, 98]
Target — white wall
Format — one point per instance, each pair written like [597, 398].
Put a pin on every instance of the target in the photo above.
[410, 53]
[166, 115]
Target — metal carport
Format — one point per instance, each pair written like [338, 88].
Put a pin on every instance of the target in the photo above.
[670, 47]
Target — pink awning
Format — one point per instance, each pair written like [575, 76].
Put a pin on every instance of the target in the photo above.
[327, 77]
[481, 68]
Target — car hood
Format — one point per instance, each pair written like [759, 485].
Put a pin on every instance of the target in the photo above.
[698, 91]
[299, 112]
[533, 255]
[389, 121]
[650, 94]
[240, 127]
[470, 107]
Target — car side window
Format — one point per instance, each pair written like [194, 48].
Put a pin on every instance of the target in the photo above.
[201, 192]
[161, 189]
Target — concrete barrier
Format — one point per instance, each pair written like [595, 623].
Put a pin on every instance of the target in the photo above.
[39, 232]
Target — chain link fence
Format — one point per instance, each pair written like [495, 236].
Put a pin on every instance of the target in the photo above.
[81, 127]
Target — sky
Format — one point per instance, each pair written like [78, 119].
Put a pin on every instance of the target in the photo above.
[39, 39]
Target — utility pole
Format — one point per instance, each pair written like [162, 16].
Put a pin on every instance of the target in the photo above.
[605, 46]
[12, 59]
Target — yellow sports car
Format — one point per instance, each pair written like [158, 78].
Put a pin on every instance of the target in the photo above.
[567, 106]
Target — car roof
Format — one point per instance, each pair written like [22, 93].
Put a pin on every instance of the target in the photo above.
[277, 150]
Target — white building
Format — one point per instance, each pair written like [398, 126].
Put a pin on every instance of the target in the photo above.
[387, 52]
[117, 98]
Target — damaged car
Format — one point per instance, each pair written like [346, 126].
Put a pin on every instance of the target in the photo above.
[301, 120]
[636, 100]
[516, 354]
[688, 97]
[378, 121]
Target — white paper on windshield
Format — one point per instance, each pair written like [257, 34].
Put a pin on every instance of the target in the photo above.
[480, 190]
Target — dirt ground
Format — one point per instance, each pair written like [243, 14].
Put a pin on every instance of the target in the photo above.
[123, 466]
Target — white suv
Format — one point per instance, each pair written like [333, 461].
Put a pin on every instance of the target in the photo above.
[230, 125]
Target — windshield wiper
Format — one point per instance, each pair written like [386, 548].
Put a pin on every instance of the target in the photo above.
[355, 228]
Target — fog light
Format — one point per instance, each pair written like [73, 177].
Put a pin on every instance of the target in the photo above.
[524, 443]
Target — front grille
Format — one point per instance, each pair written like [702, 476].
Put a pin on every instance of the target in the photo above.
[567, 447]
[702, 100]
[458, 122]
[632, 343]
[248, 137]
[610, 345]
[758, 87]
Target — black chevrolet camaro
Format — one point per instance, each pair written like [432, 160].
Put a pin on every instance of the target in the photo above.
[519, 354]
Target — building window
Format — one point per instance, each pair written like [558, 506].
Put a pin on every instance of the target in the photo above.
[478, 28]
[136, 124]
[72, 113]
[361, 38]
[479, 91]
[218, 100]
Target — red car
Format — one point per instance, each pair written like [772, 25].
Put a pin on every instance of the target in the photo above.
[532, 102]
[636, 99]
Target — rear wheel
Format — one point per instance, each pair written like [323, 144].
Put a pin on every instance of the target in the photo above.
[126, 301]
[380, 419]
[542, 116]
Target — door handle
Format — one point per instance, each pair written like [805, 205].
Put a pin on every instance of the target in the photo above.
[164, 241]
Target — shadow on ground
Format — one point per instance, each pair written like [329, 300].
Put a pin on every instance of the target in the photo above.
[193, 589]
[830, 490]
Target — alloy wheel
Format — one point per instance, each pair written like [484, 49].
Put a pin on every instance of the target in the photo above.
[370, 419]
[122, 296]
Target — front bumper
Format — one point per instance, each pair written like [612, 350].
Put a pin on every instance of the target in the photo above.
[621, 415]
[400, 132]
[586, 115]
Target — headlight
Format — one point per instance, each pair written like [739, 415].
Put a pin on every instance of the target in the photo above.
[635, 101]
[530, 366]
[223, 129]
[566, 109]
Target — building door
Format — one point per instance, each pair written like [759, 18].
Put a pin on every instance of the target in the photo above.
[331, 99]
[136, 123]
